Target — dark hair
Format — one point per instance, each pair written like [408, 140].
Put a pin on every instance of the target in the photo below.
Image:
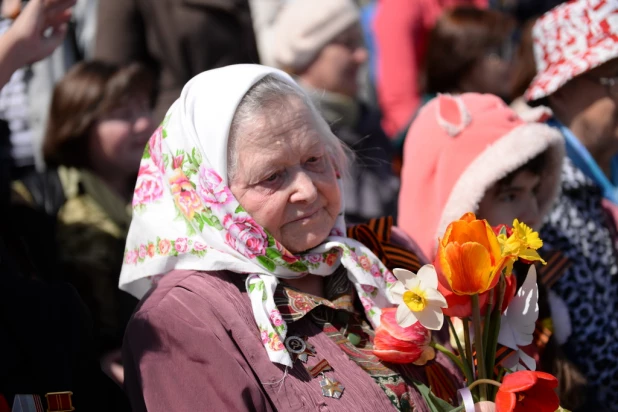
[461, 37]
[524, 68]
[534, 166]
[87, 91]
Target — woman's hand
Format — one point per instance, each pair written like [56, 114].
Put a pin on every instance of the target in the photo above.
[37, 31]
[111, 364]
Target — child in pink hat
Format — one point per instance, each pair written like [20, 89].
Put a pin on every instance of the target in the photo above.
[472, 153]
[460, 155]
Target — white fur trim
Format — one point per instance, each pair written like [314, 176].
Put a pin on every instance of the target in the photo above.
[509, 153]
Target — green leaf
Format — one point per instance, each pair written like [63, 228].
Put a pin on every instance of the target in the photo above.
[164, 132]
[502, 231]
[200, 221]
[216, 223]
[273, 253]
[435, 404]
[146, 154]
[251, 287]
[298, 267]
[561, 409]
[195, 159]
[266, 263]
[197, 156]
[166, 160]
[239, 209]
[271, 241]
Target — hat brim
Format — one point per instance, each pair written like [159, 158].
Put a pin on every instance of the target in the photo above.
[560, 73]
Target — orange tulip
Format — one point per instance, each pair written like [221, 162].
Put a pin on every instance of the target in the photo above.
[469, 256]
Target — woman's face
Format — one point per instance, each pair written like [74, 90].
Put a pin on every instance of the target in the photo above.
[118, 138]
[517, 199]
[336, 66]
[285, 178]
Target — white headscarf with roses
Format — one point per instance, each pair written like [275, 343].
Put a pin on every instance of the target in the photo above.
[185, 216]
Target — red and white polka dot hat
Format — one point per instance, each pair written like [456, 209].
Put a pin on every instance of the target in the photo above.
[570, 40]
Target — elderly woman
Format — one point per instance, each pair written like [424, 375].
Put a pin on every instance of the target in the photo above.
[264, 302]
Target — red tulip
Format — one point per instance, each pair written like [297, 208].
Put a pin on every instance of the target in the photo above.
[525, 391]
[395, 344]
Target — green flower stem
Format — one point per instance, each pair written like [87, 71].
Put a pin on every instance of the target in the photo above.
[484, 382]
[487, 322]
[456, 360]
[496, 318]
[468, 344]
[478, 344]
[462, 354]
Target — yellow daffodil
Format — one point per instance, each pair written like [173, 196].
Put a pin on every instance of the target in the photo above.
[418, 298]
[523, 243]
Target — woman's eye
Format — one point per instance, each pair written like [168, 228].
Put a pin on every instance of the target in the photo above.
[272, 177]
[508, 197]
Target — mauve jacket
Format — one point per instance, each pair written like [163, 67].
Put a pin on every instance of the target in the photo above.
[193, 345]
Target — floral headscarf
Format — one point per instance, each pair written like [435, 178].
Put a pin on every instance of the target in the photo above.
[185, 216]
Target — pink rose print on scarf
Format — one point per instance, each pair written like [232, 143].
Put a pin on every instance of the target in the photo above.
[275, 318]
[368, 288]
[177, 162]
[149, 186]
[131, 257]
[199, 246]
[375, 270]
[364, 262]
[154, 146]
[211, 188]
[142, 252]
[366, 303]
[164, 246]
[264, 336]
[336, 232]
[181, 245]
[389, 277]
[314, 257]
[244, 235]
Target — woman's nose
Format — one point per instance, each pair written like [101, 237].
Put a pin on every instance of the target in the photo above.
[143, 123]
[361, 55]
[303, 188]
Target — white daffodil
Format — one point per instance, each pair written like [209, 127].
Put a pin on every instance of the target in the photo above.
[418, 298]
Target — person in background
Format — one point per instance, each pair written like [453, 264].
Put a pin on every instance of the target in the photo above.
[24, 101]
[576, 53]
[47, 344]
[176, 39]
[402, 31]
[321, 44]
[99, 124]
[469, 50]
[471, 153]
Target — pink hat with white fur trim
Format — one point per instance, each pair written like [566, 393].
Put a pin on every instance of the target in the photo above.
[457, 149]
[570, 40]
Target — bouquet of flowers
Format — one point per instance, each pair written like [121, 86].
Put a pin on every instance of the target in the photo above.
[472, 287]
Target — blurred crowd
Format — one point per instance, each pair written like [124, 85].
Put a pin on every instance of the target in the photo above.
[85, 83]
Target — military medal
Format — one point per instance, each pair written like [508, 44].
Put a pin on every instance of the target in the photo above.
[299, 348]
[331, 388]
